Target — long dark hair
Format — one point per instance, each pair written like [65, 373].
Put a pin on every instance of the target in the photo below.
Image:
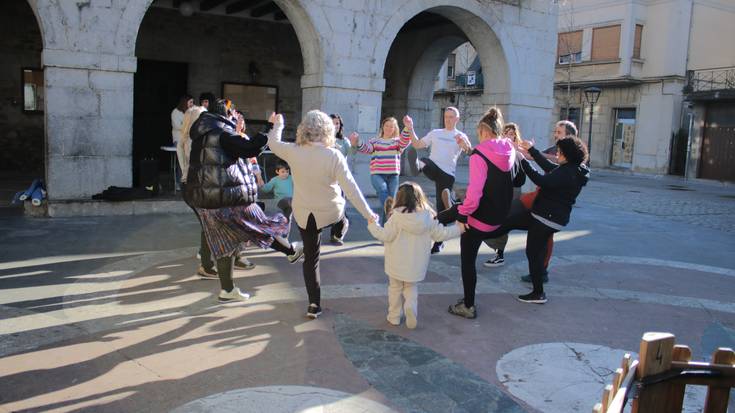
[411, 197]
[339, 133]
[181, 106]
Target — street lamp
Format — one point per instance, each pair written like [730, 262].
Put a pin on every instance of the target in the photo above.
[591, 94]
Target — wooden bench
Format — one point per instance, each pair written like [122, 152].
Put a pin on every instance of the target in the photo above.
[657, 381]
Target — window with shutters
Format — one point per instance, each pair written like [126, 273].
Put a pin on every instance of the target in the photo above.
[451, 64]
[637, 44]
[606, 43]
[569, 47]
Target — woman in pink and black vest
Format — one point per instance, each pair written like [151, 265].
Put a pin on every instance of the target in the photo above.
[494, 173]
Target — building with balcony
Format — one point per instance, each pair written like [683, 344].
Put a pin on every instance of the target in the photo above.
[653, 61]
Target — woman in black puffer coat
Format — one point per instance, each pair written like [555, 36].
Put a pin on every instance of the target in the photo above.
[222, 189]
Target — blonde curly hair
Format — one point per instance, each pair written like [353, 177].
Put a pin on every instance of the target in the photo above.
[315, 127]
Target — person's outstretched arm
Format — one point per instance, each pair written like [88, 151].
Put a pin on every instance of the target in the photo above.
[281, 149]
[385, 234]
[409, 133]
[347, 182]
[236, 146]
[541, 160]
[478, 176]
[553, 179]
[441, 233]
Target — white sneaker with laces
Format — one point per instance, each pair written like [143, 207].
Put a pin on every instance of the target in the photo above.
[298, 252]
[235, 295]
[497, 261]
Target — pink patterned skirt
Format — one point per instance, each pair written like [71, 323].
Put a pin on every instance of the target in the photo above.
[228, 229]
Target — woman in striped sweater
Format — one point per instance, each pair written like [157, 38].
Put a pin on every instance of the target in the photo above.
[385, 165]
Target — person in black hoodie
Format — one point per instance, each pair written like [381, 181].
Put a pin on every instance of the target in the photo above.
[223, 190]
[550, 212]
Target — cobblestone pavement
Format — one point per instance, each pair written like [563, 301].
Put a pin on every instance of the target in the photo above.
[701, 204]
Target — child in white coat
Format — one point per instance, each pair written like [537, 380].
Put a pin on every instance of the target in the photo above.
[408, 235]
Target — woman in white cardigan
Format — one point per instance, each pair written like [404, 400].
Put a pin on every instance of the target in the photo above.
[320, 174]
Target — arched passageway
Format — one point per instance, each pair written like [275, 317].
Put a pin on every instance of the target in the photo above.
[250, 54]
[418, 52]
[23, 90]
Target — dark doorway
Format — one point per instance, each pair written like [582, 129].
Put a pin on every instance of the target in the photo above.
[158, 86]
[718, 145]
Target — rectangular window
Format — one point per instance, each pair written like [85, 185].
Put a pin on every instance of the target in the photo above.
[256, 102]
[32, 90]
[569, 47]
[637, 43]
[571, 114]
[606, 43]
[451, 62]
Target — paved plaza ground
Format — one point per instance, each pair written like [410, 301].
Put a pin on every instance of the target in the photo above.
[107, 314]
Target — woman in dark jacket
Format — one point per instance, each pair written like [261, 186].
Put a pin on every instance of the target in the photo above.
[558, 190]
[223, 190]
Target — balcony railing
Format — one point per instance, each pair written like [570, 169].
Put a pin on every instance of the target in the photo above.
[710, 80]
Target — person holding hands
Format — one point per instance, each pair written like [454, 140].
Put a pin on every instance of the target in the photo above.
[407, 235]
[320, 174]
[446, 145]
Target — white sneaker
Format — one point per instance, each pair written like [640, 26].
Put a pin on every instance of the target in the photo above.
[410, 319]
[298, 252]
[232, 296]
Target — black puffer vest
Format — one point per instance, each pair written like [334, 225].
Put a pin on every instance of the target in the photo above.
[216, 179]
[497, 194]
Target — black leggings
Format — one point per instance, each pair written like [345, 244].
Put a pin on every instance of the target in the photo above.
[311, 236]
[537, 244]
[205, 255]
[225, 264]
[536, 247]
[442, 180]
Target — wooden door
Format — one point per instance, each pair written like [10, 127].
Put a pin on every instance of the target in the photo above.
[718, 144]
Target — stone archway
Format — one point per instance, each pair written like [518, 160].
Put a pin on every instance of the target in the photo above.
[21, 124]
[516, 57]
[412, 91]
[89, 61]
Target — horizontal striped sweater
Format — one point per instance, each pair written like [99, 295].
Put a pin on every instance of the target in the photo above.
[386, 153]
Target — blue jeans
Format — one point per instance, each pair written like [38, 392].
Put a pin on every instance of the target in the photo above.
[385, 185]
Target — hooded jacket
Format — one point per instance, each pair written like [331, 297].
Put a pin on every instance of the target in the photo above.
[408, 238]
[493, 174]
[218, 177]
[559, 187]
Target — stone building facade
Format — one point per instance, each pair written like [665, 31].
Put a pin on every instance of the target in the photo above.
[643, 55]
[349, 56]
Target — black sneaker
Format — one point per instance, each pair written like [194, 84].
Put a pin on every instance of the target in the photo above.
[527, 278]
[437, 247]
[335, 240]
[496, 261]
[313, 311]
[533, 298]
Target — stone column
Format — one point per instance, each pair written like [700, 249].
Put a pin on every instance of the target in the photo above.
[89, 113]
[356, 98]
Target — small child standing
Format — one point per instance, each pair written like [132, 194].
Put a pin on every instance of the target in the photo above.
[282, 187]
[408, 235]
